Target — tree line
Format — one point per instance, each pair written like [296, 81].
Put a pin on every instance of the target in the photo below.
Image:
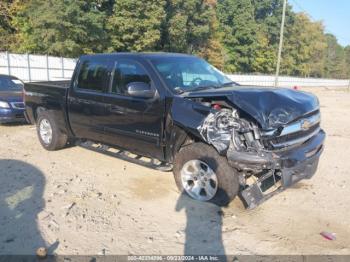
[234, 35]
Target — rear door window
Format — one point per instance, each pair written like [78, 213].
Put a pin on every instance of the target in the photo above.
[94, 75]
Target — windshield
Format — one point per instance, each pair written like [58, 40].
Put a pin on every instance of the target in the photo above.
[10, 84]
[183, 74]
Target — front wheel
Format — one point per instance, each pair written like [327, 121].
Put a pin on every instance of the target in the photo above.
[204, 175]
[50, 137]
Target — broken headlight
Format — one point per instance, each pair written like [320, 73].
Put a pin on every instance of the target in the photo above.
[281, 116]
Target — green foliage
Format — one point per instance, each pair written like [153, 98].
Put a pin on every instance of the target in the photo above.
[105, 6]
[305, 48]
[238, 24]
[334, 64]
[234, 35]
[186, 28]
[136, 25]
[265, 55]
[211, 48]
[60, 27]
[6, 30]
[347, 61]
[268, 16]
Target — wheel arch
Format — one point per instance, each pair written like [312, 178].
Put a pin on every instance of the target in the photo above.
[179, 138]
[56, 116]
[37, 111]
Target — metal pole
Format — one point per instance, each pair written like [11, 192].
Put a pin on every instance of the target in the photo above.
[8, 63]
[62, 64]
[47, 68]
[281, 43]
[28, 66]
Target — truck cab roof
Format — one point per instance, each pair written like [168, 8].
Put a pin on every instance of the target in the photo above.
[138, 55]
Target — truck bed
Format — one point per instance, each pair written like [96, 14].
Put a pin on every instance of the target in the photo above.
[50, 95]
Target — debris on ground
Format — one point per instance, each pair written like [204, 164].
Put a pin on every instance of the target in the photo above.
[41, 252]
[328, 236]
[70, 208]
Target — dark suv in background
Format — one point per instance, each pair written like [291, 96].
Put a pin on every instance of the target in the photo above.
[11, 99]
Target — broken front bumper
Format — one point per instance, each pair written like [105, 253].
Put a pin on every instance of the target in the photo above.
[283, 168]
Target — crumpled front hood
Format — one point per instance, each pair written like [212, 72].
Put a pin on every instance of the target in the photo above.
[262, 103]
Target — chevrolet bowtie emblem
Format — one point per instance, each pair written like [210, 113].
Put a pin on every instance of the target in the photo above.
[305, 124]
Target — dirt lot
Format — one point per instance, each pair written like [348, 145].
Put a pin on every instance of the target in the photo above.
[76, 201]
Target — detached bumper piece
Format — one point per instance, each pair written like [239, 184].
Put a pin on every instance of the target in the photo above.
[281, 169]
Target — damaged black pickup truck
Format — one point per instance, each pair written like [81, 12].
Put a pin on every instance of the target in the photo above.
[221, 139]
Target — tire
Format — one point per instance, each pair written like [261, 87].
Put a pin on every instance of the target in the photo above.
[227, 178]
[58, 139]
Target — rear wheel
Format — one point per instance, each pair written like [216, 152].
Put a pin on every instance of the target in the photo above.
[205, 175]
[50, 137]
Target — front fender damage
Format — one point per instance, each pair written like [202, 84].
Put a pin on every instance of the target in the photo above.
[262, 172]
[182, 121]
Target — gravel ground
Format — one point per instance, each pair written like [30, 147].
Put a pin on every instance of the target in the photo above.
[76, 201]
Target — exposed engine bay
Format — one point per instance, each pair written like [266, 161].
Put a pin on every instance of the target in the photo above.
[227, 131]
[224, 129]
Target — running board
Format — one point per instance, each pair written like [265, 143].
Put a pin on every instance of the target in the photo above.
[127, 156]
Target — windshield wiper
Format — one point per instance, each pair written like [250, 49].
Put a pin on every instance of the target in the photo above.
[199, 88]
[230, 84]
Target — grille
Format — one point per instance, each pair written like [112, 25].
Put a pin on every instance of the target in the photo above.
[313, 113]
[293, 134]
[290, 137]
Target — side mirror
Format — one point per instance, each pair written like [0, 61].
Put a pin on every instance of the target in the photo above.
[140, 89]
